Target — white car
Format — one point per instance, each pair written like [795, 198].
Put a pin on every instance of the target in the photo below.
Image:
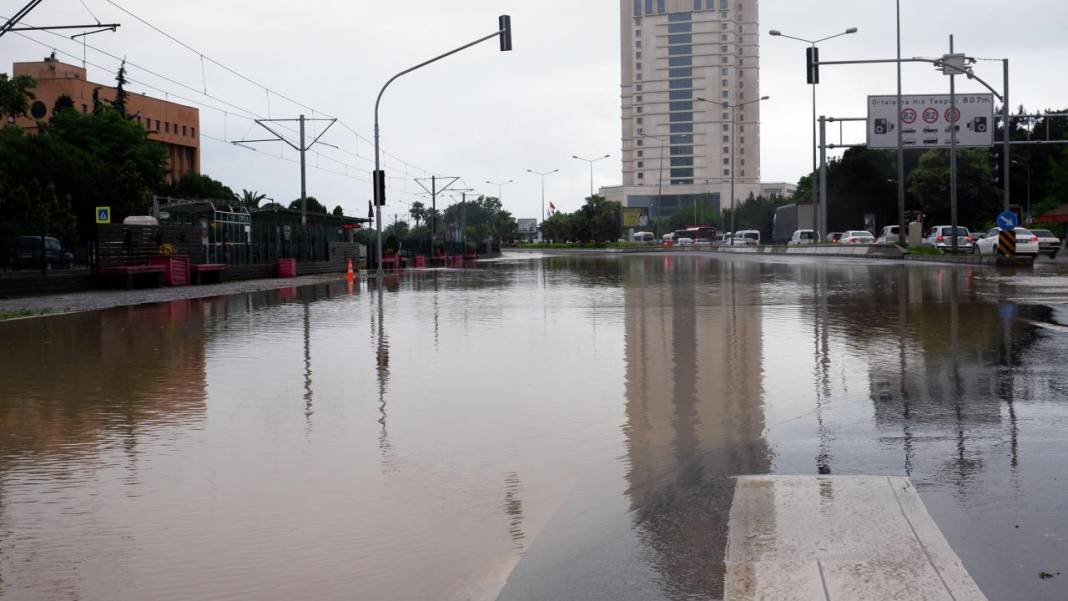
[941, 237]
[748, 238]
[857, 237]
[684, 242]
[1026, 243]
[1048, 244]
[804, 237]
[702, 243]
[890, 234]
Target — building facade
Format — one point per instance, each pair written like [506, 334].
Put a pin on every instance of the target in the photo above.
[684, 64]
[175, 125]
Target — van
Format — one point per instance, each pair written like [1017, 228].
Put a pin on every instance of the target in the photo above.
[643, 237]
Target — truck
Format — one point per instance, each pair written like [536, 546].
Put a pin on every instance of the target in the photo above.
[789, 219]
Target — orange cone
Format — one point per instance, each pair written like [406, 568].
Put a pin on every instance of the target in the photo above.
[350, 275]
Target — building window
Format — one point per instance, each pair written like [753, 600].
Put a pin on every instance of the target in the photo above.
[726, 172]
[723, 60]
[680, 72]
[726, 93]
[743, 172]
[723, 26]
[641, 153]
[680, 39]
[726, 116]
[680, 117]
[637, 99]
[680, 50]
[638, 66]
[638, 55]
[726, 149]
[726, 127]
[637, 8]
[683, 139]
[681, 150]
[679, 17]
[660, 8]
[193, 131]
[167, 127]
[726, 161]
[681, 128]
[639, 142]
[637, 43]
[639, 121]
[680, 95]
[680, 61]
[185, 131]
[637, 76]
[638, 109]
[648, 7]
[638, 88]
[680, 106]
[676, 84]
[682, 161]
[641, 175]
[697, 4]
[680, 27]
[641, 164]
[687, 173]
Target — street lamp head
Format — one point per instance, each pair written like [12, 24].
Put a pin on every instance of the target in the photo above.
[765, 98]
[775, 32]
[699, 99]
[575, 156]
[852, 30]
[607, 156]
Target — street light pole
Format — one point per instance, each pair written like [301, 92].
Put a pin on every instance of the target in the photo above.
[591, 162]
[542, 191]
[500, 189]
[733, 108]
[815, 144]
[504, 33]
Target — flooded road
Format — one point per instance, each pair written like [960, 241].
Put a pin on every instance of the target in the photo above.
[538, 428]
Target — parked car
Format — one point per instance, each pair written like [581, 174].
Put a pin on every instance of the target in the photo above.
[24, 252]
[890, 234]
[804, 237]
[1026, 243]
[702, 243]
[684, 242]
[857, 237]
[1048, 244]
[643, 237]
[941, 237]
[834, 237]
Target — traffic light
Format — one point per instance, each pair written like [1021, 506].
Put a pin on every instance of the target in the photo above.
[812, 66]
[506, 33]
[380, 188]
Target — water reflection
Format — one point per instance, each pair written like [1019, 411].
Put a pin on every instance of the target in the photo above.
[694, 411]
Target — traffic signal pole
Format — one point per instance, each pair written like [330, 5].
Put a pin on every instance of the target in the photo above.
[504, 34]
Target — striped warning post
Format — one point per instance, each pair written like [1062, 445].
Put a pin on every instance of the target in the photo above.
[1007, 243]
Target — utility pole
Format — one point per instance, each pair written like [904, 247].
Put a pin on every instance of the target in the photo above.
[952, 151]
[901, 230]
[591, 162]
[302, 148]
[434, 191]
[542, 174]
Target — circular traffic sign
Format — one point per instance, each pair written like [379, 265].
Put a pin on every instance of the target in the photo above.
[952, 115]
[908, 116]
[930, 115]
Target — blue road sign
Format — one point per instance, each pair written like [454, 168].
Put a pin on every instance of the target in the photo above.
[103, 215]
[1008, 221]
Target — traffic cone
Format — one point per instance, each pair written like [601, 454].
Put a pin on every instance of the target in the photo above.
[350, 275]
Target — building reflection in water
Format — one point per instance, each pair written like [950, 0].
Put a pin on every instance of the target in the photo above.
[75, 383]
[513, 507]
[694, 410]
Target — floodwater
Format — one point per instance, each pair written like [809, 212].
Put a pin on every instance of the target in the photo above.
[537, 428]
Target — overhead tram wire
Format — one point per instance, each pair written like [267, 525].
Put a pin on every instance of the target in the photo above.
[211, 107]
[249, 115]
[248, 79]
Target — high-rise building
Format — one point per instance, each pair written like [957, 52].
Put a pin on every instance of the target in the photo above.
[677, 149]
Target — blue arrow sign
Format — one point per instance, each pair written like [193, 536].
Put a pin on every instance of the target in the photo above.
[1008, 221]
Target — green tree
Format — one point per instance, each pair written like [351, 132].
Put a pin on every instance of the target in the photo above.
[417, 212]
[978, 198]
[15, 95]
[314, 206]
[252, 199]
[119, 104]
[338, 211]
[197, 186]
[89, 160]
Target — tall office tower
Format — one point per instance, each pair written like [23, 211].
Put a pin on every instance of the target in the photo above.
[677, 150]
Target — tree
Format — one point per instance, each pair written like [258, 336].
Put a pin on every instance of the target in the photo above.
[978, 197]
[15, 95]
[338, 211]
[119, 104]
[397, 230]
[62, 103]
[86, 159]
[197, 186]
[417, 212]
[252, 199]
[314, 206]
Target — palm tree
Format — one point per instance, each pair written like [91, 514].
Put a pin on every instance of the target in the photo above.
[251, 199]
[418, 212]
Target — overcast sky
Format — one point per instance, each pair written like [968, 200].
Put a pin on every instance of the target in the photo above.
[484, 115]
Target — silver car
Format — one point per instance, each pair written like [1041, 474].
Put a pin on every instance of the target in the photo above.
[1048, 244]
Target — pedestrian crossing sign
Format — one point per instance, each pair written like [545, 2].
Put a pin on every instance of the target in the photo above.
[103, 215]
